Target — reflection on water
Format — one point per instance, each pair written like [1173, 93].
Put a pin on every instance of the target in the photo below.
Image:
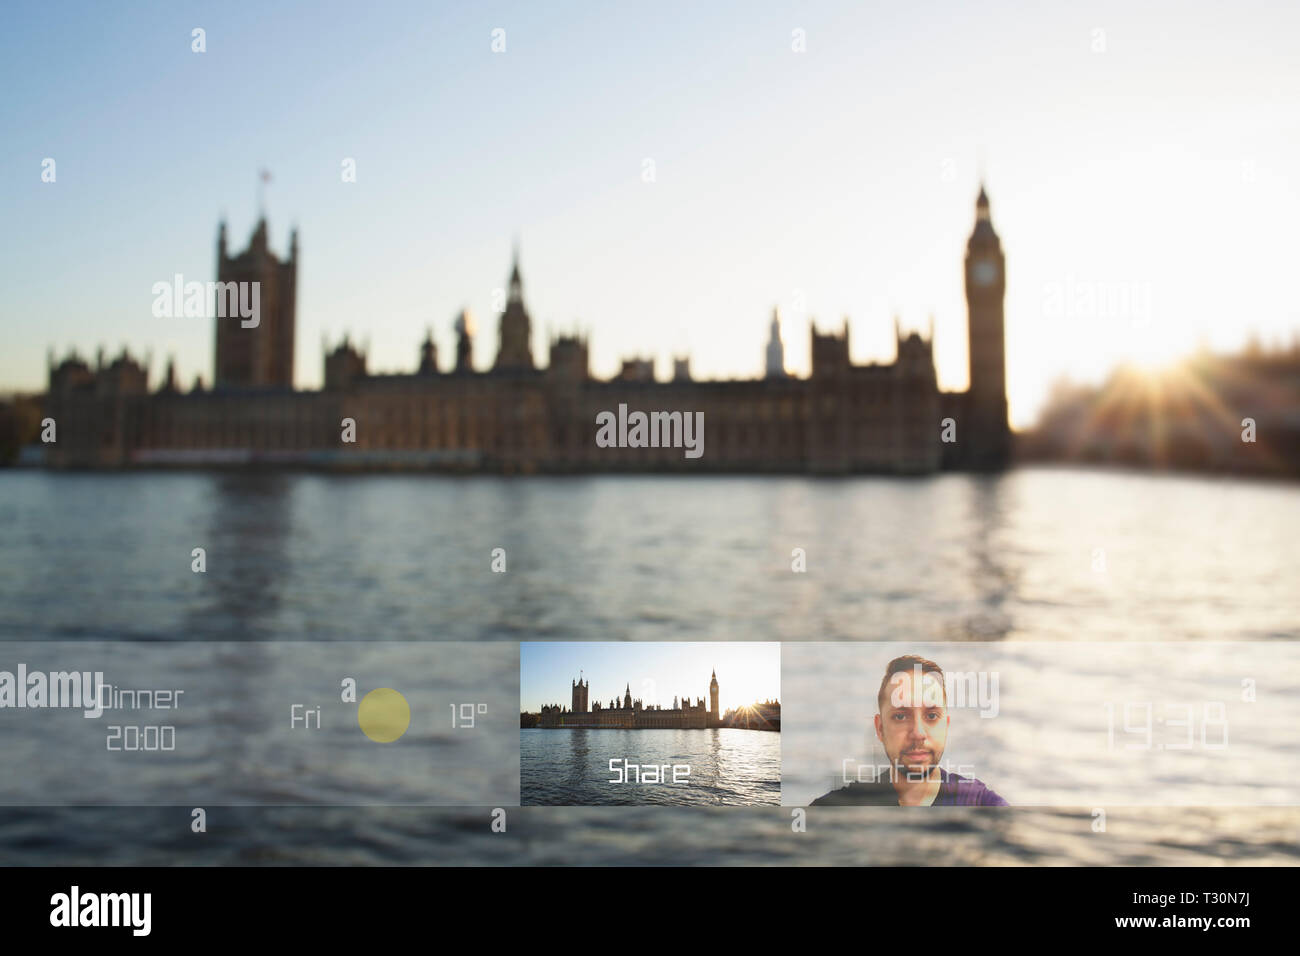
[249, 526]
[572, 767]
[991, 577]
[1036, 554]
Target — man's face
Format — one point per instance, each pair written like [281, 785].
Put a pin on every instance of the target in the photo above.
[913, 723]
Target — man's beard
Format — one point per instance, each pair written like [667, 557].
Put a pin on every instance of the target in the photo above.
[915, 771]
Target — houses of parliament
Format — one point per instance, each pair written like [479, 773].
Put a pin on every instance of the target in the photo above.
[630, 714]
[517, 418]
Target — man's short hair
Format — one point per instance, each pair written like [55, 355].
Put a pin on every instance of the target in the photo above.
[905, 664]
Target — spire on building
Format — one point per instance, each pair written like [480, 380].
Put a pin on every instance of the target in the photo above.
[428, 354]
[983, 233]
[465, 341]
[775, 348]
[263, 177]
[515, 351]
[516, 280]
[260, 242]
[983, 214]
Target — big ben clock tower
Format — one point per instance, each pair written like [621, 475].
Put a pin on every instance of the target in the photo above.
[987, 436]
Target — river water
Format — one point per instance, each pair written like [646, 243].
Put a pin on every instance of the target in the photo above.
[1036, 555]
[726, 767]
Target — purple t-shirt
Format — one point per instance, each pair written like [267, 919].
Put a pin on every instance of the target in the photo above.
[954, 791]
[959, 791]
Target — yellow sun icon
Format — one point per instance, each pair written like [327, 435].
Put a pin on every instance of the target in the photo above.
[384, 715]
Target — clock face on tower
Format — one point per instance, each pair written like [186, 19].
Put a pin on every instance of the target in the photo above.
[985, 272]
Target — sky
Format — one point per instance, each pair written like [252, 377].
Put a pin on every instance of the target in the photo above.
[655, 672]
[1141, 165]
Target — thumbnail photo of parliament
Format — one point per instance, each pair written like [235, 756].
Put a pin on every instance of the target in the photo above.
[633, 714]
[517, 418]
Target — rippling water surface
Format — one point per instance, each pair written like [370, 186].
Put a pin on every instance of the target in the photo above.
[1033, 555]
[572, 767]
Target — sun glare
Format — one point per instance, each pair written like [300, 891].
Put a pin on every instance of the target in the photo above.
[742, 684]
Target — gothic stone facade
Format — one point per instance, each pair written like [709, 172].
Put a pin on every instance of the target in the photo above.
[631, 713]
[516, 418]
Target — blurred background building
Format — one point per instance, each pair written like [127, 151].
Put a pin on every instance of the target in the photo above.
[879, 417]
